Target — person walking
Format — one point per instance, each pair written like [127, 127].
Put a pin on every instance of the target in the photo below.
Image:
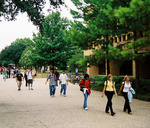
[52, 83]
[70, 74]
[4, 74]
[109, 89]
[125, 88]
[57, 77]
[26, 79]
[30, 78]
[85, 87]
[19, 78]
[76, 72]
[63, 80]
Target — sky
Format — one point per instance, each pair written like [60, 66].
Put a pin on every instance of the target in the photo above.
[22, 27]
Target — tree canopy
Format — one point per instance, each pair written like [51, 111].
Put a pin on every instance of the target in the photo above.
[9, 9]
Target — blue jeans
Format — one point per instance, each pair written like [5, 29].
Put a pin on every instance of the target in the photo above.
[85, 99]
[63, 88]
[52, 89]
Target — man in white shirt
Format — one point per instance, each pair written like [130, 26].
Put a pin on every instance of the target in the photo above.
[63, 80]
[30, 78]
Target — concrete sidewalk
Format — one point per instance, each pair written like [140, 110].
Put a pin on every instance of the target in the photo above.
[36, 109]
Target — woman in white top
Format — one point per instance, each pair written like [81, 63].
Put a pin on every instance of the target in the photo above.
[125, 88]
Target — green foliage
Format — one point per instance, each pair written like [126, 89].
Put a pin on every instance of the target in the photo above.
[77, 61]
[12, 53]
[142, 93]
[51, 48]
[9, 9]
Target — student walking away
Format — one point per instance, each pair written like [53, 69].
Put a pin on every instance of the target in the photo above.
[126, 88]
[34, 72]
[57, 77]
[12, 73]
[76, 72]
[85, 88]
[1, 70]
[30, 78]
[19, 78]
[70, 74]
[4, 74]
[52, 83]
[63, 80]
[25, 77]
[109, 89]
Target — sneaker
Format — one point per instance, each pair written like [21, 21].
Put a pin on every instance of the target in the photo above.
[18, 89]
[61, 94]
[86, 108]
[64, 95]
[31, 88]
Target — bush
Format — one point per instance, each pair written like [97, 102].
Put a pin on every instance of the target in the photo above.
[142, 93]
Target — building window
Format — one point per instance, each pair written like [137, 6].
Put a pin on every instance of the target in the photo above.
[124, 37]
[102, 69]
[128, 37]
[116, 39]
[120, 38]
[126, 68]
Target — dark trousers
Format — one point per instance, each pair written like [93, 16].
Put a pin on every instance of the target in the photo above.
[126, 105]
[26, 83]
[109, 95]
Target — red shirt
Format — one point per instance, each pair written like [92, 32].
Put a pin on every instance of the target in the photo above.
[86, 83]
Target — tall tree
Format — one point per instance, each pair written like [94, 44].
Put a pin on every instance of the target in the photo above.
[99, 29]
[51, 47]
[134, 18]
[12, 53]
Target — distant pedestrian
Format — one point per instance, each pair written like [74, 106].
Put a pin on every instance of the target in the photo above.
[1, 70]
[12, 72]
[5, 74]
[52, 83]
[109, 89]
[76, 72]
[34, 72]
[19, 78]
[125, 88]
[30, 78]
[26, 79]
[57, 77]
[85, 88]
[63, 80]
[70, 74]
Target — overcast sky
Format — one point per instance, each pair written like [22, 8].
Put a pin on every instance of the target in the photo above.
[22, 27]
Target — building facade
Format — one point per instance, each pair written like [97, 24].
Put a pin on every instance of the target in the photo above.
[127, 68]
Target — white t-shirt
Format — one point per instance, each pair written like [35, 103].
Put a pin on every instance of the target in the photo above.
[76, 70]
[126, 87]
[30, 75]
[63, 78]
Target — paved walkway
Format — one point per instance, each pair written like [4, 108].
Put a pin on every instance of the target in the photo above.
[36, 109]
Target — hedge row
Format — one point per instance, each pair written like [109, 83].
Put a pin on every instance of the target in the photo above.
[143, 93]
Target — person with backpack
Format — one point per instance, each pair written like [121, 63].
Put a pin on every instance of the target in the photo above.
[19, 78]
[125, 88]
[57, 77]
[109, 89]
[30, 77]
[52, 83]
[63, 80]
[85, 88]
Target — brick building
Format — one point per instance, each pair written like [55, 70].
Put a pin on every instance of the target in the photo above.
[128, 68]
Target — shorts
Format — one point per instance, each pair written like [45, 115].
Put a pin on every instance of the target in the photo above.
[4, 77]
[30, 81]
[19, 83]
